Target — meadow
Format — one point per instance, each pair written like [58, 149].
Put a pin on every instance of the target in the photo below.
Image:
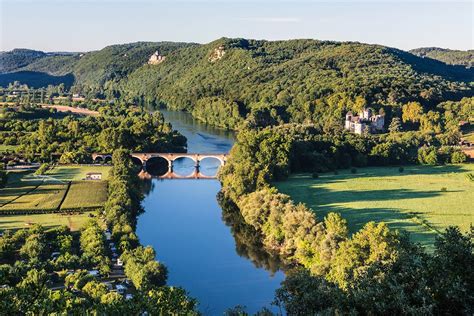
[421, 200]
[73, 221]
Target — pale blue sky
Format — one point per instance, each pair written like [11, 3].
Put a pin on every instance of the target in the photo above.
[55, 25]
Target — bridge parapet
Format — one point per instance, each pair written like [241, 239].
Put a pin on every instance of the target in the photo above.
[170, 158]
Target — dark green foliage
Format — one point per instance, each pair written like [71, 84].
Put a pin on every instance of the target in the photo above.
[18, 58]
[73, 139]
[448, 56]
[3, 178]
[36, 79]
[299, 80]
[428, 155]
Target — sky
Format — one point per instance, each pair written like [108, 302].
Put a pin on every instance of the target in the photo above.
[73, 25]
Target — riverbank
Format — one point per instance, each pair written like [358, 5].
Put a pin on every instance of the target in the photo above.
[182, 219]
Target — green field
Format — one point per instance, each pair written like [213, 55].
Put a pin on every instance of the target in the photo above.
[19, 183]
[26, 192]
[86, 194]
[74, 222]
[76, 173]
[46, 197]
[413, 200]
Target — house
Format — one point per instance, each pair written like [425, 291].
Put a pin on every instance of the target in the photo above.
[366, 121]
[94, 176]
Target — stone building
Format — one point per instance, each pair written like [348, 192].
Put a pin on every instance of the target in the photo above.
[156, 59]
[366, 121]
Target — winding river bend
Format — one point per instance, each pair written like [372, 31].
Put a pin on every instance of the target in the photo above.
[201, 246]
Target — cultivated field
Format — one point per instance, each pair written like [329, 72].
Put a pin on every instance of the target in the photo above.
[26, 194]
[19, 183]
[422, 200]
[85, 194]
[73, 221]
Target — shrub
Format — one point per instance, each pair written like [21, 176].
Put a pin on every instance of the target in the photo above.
[444, 189]
[428, 156]
[353, 170]
[42, 169]
[458, 157]
[315, 175]
[336, 172]
[401, 169]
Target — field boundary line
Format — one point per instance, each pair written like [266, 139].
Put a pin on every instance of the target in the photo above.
[64, 196]
[26, 193]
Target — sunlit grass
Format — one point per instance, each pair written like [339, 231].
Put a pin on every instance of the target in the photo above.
[413, 200]
[73, 221]
[85, 194]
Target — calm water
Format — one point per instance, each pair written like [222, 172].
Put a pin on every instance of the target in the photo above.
[185, 225]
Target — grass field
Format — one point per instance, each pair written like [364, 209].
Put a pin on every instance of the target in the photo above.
[86, 194]
[26, 192]
[74, 222]
[46, 197]
[19, 183]
[76, 173]
[413, 200]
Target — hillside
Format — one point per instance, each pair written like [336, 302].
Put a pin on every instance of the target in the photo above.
[265, 82]
[448, 56]
[91, 71]
[296, 80]
[17, 58]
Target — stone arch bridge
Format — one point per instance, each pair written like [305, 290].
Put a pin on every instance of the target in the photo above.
[170, 158]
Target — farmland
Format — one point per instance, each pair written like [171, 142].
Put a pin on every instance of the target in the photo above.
[73, 221]
[421, 200]
[61, 190]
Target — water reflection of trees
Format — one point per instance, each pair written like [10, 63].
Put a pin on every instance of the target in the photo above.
[147, 186]
[247, 240]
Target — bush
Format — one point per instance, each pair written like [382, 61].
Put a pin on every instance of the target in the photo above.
[315, 175]
[458, 157]
[42, 169]
[401, 169]
[444, 189]
[353, 170]
[336, 172]
[428, 156]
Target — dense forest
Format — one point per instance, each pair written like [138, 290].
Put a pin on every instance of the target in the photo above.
[231, 80]
[448, 56]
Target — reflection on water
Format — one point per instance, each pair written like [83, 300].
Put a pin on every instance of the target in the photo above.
[209, 252]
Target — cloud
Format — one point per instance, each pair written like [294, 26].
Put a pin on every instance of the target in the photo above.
[272, 19]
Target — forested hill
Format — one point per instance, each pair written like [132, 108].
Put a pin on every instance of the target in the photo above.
[92, 70]
[17, 58]
[448, 56]
[295, 80]
[229, 80]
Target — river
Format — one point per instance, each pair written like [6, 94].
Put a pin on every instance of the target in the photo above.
[212, 258]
